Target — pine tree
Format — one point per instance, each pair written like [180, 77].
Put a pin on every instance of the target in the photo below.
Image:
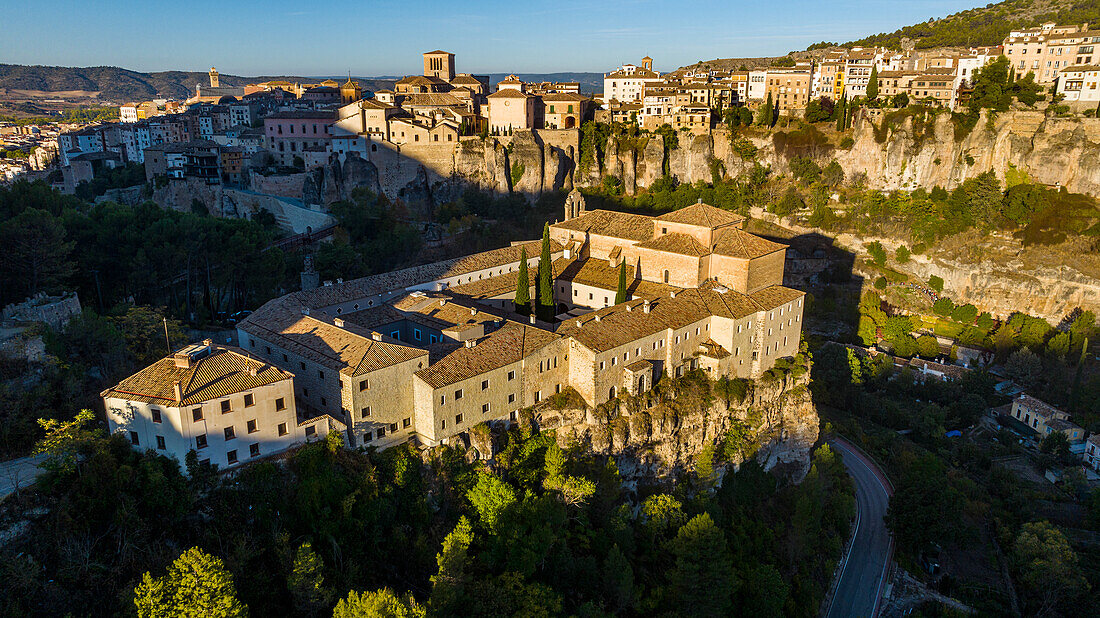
[545, 285]
[523, 285]
[872, 84]
[620, 294]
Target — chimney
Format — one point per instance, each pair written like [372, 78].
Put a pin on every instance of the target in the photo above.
[208, 342]
[252, 370]
[377, 336]
[597, 318]
[645, 306]
[473, 310]
[442, 302]
[531, 319]
[338, 281]
[699, 201]
[628, 307]
[305, 310]
[338, 322]
[578, 323]
[178, 390]
[469, 343]
[672, 294]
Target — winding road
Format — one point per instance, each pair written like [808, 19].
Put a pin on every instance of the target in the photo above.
[18, 473]
[864, 567]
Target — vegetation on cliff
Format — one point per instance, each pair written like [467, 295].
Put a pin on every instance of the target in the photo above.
[984, 26]
[540, 530]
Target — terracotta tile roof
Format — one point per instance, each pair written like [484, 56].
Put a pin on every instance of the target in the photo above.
[637, 228]
[611, 327]
[505, 346]
[737, 243]
[775, 295]
[1039, 406]
[348, 347]
[712, 349]
[599, 274]
[431, 99]
[642, 365]
[222, 372]
[682, 244]
[509, 93]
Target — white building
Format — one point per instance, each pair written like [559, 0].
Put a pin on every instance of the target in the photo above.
[758, 85]
[1080, 84]
[215, 400]
[627, 83]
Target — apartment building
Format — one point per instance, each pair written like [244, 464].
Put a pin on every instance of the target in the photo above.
[627, 83]
[428, 352]
[789, 88]
[1031, 50]
[218, 401]
[292, 134]
[1080, 85]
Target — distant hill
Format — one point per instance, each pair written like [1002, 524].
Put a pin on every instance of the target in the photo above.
[986, 25]
[118, 85]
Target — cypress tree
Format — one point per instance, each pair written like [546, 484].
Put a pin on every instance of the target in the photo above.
[545, 285]
[620, 294]
[523, 285]
[872, 84]
[841, 109]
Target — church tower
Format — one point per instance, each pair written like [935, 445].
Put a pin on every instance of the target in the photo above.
[213, 77]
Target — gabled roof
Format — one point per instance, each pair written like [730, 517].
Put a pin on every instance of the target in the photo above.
[733, 242]
[703, 215]
[637, 228]
[222, 372]
[682, 244]
[509, 93]
[508, 344]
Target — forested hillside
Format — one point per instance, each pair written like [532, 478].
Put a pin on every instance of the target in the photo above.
[986, 25]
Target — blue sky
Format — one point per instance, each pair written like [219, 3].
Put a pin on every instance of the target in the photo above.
[369, 38]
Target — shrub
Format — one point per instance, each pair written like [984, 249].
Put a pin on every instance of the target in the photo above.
[943, 307]
[880, 283]
[965, 313]
[878, 254]
[902, 254]
[935, 283]
[847, 143]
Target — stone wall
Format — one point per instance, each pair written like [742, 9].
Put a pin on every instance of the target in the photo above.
[283, 185]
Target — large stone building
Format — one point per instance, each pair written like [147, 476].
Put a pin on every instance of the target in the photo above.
[428, 352]
[218, 401]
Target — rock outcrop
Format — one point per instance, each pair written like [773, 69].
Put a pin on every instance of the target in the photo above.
[650, 439]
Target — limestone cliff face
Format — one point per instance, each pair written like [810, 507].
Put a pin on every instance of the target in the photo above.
[651, 439]
[335, 181]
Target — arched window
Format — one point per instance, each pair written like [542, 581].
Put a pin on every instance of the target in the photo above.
[666, 276]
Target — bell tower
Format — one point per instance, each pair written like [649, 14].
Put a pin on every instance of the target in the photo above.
[213, 77]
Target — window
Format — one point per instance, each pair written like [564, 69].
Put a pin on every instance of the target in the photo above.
[280, 404]
[320, 374]
[417, 335]
[200, 441]
[229, 433]
[253, 450]
[231, 457]
[226, 407]
[160, 443]
[324, 402]
[666, 276]
[251, 425]
[134, 438]
[484, 408]
[512, 398]
[443, 423]
[458, 394]
[311, 431]
[302, 365]
[458, 419]
[249, 400]
[511, 375]
[156, 415]
[365, 412]
[196, 414]
[363, 385]
[282, 429]
[284, 358]
[484, 385]
[406, 423]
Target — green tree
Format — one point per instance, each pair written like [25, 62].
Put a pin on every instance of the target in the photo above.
[523, 285]
[936, 283]
[1048, 573]
[449, 582]
[877, 252]
[943, 306]
[763, 592]
[700, 578]
[489, 497]
[964, 313]
[620, 293]
[36, 254]
[928, 347]
[306, 581]
[197, 585]
[925, 507]
[1022, 201]
[840, 111]
[64, 440]
[900, 100]
[833, 174]
[378, 604]
[872, 84]
[545, 308]
[901, 254]
[766, 116]
[618, 578]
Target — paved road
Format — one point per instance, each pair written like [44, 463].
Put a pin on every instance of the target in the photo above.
[18, 473]
[863, 575]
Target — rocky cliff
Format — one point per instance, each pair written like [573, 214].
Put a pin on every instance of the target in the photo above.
[660, 433]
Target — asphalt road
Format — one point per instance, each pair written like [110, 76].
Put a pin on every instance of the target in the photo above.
[863, 576]
[18, 473]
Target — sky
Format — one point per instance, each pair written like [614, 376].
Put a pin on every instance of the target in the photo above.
[375, 38]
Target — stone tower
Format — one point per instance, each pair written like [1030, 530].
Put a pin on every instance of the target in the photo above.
[574, 205]
[647, 63]
[439, 64]
[310, 278]
[213, 77]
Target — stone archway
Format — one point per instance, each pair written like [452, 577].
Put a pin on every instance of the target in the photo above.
[570, 122]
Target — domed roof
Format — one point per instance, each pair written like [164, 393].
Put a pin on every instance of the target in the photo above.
[227, 99]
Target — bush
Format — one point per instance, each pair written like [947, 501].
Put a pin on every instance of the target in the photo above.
[847, 143]
[878, 254]
[880, 283]
[943, 307]
[902, 254]
[965, 313]
[936, 284]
